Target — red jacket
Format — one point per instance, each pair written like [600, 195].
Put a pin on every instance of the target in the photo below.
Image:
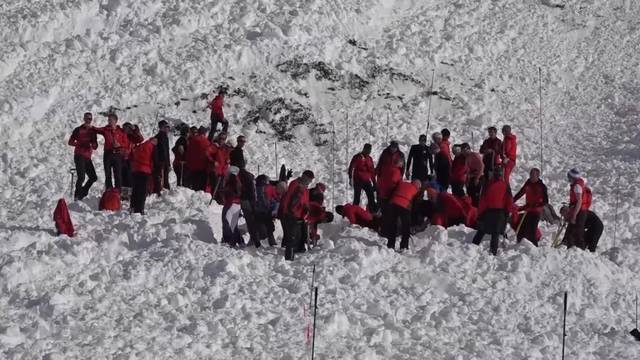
[470, 212]
[357, 215]
[361, 168]
[403, 194]
[84, 140]
[232, 190]
[510, 146]
[475, 166]
[62, 219]
[445, 148]
[115, 139]
[586, 195]
[221, 159]
[142, 158]
[535, 196]
[495, 195]
[196, 154]
[134, 138]
[216, 106]
[295, 201]
[459, 169]
[316, 213]
[387, 181]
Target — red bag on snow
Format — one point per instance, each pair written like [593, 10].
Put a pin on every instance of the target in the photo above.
[62, 219]
[110, 200]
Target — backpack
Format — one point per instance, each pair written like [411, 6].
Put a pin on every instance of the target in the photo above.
[62, 219]
[587, 197]
[110, 200]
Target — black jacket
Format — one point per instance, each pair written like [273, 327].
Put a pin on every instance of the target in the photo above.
[420, 157]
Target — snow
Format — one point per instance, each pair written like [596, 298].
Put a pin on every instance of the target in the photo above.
[160, 286]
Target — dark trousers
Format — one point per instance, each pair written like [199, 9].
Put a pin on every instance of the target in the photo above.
[390, 225]
[457, 188]
[594, 229]
[198, 180]
[84, 167]
[529, 227]
[442, 178]
[493, 245]
[181, 174]
[493, 222]
[139, 191]
[215, 120]
[160, 178]
[473, 190]
[295, 236]
[112, 165]
[248, 210]
[358, 187]
[127, 180]
[575, 232]
[265, 227]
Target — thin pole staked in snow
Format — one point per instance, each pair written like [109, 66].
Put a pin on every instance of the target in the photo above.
[370, 128]
[313, 282]
[315, 311]
[433, 76]
[615, 221]
[275, 146]
[333, 164]
[540, 115]
[386, 140]
[564, 323]
[635, 332]
[346, 160]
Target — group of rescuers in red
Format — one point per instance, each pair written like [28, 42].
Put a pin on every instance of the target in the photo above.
[446, 185]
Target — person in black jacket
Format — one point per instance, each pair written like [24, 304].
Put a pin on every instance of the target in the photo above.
[179, 149]
[162, 167]
[248, 204]
[442, 167]
[421, 158]
[236, 157]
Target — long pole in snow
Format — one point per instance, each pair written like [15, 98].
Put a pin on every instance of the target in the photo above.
[333, 164]
[313, 282]
[315, 311]
[275, 146]
[540, 116]
[433, 76]
[346, 161]
[386, 140]
[615, 221]
[564, 323]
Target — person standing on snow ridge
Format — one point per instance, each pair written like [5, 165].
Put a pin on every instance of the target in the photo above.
[196, 157]
[421, 159]
[458, 171]
[179, 149]
[84, 140]
[445, 146]
[143, 157]
[294, 209]
[362, 176]
[389, 173]
[162, 167]
[475, 170]
[236, 157]
[114, 138]
[536, 198]
[491, 150]
[510, 148]
[134, 137]
[399, 208]
[317, 212]
[248, 205]
[441, 162]
[267, 200]
[217, 115]
[231, 209]
[579, 204]
[221, 165]
[495, 202]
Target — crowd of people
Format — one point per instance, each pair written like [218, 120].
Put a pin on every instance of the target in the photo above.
[436, 184]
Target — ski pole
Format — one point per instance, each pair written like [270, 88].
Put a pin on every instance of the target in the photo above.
[315, 311]
[313, 280]
[564, 324]
[540, 115]
[615, 221]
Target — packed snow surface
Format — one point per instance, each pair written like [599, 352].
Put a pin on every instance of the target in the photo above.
[160, 286]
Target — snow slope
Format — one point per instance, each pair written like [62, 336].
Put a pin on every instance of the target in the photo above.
[160, 287]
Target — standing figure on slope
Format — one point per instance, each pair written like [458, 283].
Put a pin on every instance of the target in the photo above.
[389, 173]
[362, 176]
[294, 207]
[441, 162]
[114, 138]
[495, 203]
[458, 171]
[162, 167]
[579, 203]
[445, 145]
[491, 150]
[248, 205]
[536, 198]
[593, 229]
[236, 157]
[197, 158]
[84, 140]
[231, 209]
[221, 165]
[134, 137]
[421, 158]
[179, 150]
[399, 208]
[317, 212]
[217, 115]
[267, 200]
[143, 157]
[475, 170]
[510, 150]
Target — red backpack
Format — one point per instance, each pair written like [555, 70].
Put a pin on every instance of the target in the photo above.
[110, 200]
[62, 219]
[588, 197]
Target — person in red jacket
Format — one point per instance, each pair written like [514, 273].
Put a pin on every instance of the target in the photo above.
[217, 115]
[389, 173]
[221, 163]
[458, 171]
[362, 176]
[536, 198]
[495, 202]
[84, 140]
[447, 209]
[579, 204]
[197, 158]
[445, 145]
[133, 138]
[475, 170]
[357, 216]
[294, 209]
[510, 148]
[400, 205]
[232, 192]
[115, 144]
[491, 150]
[142, 160]
[267, 200]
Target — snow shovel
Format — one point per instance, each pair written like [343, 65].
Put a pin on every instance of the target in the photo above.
[557, 240]
[72, 171]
